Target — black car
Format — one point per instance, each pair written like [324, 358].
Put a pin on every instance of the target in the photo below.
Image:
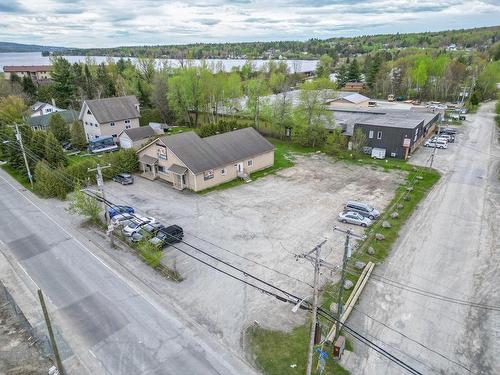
[124, 178]
[167, 236]
[449, 131]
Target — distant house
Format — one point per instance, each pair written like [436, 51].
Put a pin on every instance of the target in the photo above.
[187, 161]
[349, 100]
[137, 137]
[38, 73]
[354, 86]
[41, 108]
[42, 122]
[109, 116]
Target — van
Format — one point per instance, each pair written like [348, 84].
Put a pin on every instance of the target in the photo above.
[441, 143]
[363, 208]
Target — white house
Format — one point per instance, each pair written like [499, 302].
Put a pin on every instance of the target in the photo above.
[137, 137]
[41, 108]
[109, 116]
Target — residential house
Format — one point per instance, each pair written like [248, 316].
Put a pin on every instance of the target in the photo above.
[137, 137]
[399, 132]
[42, 122]
[41, 108]
[187, 161]
[110, 116]
[38, 73]
[350, 100]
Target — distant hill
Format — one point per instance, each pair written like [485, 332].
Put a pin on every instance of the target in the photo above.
[17, 47]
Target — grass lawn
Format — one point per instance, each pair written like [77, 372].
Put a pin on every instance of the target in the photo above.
[278, 353]
[275, 351]
[21, 178]
[75, 159]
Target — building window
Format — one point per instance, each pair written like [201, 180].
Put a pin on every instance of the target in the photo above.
[127, 126]
[250, 163]
[162, 170]
[88, 112]
[86, 123]
[111, 124]
[416, 135]
[96, 125]
[162, 153]
[370, 134]
[208, 175]
[127, 121]
[96, 136]
[223, 171]
[379, 135]
[113, 135]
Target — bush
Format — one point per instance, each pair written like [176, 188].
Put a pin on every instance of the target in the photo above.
[79, 171]
[48, 182]
[336, 143]
[223, 126]
[150, 115]
[77, 132]
[150, 253]
[85, 205]
[121, 161]
[309, 136]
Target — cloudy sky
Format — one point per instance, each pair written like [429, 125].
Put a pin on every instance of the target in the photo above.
[103, 23]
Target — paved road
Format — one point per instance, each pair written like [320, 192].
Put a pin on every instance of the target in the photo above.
[110, 324]
[450, 246]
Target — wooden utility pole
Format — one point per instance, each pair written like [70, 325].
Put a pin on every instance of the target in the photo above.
[100, 186]
[20, 140]
[51, 334]
[317, 262]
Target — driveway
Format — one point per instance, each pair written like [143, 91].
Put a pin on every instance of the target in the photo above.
[449, 247]
[259, 227]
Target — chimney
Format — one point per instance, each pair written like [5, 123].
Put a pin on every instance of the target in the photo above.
[53, 102]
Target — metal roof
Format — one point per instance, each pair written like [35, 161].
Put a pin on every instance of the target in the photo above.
[114, 109]
[177, 169]
[27, 68]
[148, 159]
[202, 154]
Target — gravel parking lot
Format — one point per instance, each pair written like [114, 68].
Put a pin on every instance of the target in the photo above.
[267, 222]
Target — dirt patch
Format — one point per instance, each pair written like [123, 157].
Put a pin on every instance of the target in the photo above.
[18, 354]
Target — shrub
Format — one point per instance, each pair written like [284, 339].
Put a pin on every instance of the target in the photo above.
[48, 182]
[150, 253]
[85, 205]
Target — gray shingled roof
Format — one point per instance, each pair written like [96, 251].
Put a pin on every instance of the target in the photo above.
[69, 116]
[142, 132]
[114, 109]
[202, 154]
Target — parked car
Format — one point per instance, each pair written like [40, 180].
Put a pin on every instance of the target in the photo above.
[449, 131]
[167, 236]
[120, 219]
[449, 138]
[354, 218]
[362, 208]
[124, 178]
[441, 143]
[147, 230]
[430, 143]
[135, 224]
[116, 210]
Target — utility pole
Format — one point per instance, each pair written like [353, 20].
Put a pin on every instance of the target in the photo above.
[20, 140]
[347, 255]
[51, 333]
[435, 143]
[317, 262]
[100, 186]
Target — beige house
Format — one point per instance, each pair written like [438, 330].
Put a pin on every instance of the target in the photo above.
[109, 116]
[350, 100]
[187, 161]
[38, 73]
[137, 137]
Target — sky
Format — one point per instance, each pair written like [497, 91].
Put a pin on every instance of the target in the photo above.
[109, 23]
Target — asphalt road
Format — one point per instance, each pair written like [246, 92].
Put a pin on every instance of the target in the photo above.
[450, 246]
[107, 321]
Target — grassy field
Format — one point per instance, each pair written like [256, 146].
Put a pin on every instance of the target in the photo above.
[275, 351]
[21, 178]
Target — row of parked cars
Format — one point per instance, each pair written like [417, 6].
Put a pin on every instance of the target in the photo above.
[441, 140]
[359, 213]
[137, 228]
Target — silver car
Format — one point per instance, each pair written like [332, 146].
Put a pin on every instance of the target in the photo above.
[363, 209]
[352, 217]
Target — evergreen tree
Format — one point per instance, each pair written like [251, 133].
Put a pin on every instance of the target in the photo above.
[54, 153]
[78, 139]
[37, 144]
[59, 128]
[64, 82]
[353, 74]
[29, 87]
[342, 77]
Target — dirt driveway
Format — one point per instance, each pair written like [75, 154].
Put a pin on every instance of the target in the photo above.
[266, 221]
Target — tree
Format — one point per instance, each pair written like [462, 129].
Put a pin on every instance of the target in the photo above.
[29, 87]
[185, 94]
[255, 89]
[159, 94]
[12, 110]
[336, 142]
[48, 182]
[474, 100]
[342, 76]
[359, 140]
[310, 136]
[37, 144]
[59, 128]
[106, 86]
[353, 74]
[324, 66]
[64, 82]
[82, 204]
[77, 134]
[54, 153]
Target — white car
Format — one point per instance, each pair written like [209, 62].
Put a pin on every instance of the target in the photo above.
[120, 219]
[135, 224]
[354, 218]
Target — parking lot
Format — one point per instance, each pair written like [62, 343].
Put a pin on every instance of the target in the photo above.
[266, 222]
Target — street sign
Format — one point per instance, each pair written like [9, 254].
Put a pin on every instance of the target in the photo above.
[406, 142]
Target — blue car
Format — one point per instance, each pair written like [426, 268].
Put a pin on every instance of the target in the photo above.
[116, 210]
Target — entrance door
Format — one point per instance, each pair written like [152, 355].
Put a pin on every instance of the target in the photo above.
[239, 167]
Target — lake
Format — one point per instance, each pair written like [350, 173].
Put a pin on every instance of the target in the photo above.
[36, 58]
